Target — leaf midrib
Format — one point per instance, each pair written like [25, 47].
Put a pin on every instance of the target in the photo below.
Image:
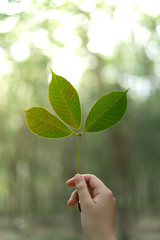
[65, 100]
[105, 112]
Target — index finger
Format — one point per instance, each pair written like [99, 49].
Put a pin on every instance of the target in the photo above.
[90, 179]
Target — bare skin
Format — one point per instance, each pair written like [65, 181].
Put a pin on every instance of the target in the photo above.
[97, 206]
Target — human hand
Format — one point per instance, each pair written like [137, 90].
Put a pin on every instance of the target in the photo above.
[97, 206]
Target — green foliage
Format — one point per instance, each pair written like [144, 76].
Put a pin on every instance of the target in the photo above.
[105, 113]
[65, 101]
[123, 157]
[46, 125]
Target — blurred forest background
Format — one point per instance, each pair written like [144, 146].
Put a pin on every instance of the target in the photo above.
[99, 46]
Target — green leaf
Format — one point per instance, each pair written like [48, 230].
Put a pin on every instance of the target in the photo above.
[46, 125]
[106, 112]
[64, 100]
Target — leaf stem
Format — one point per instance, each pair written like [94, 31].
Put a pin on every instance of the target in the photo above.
[79, 144]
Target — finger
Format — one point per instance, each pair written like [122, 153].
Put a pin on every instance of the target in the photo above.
[93, 181]
[70, 182]
[83, 192]
[95, 185]
[73, 199]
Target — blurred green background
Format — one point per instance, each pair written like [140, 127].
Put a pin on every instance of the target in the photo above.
[99, 46]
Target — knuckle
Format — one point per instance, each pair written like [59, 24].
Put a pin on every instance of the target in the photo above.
[80, 187]
[74, 193]
[110, 193]
[92, 175]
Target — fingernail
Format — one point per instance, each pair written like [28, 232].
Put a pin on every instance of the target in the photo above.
[78, 178]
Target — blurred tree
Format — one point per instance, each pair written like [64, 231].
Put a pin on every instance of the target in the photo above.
[108, 48]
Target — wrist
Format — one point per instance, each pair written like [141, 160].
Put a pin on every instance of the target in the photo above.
[104, 237]
[112, 237]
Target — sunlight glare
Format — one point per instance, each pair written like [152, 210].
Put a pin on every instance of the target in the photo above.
[68, 65]
[153, 51]
[11, 8]
[81, 19]
[151, 8]
[40, 38]
[125, 19]
[142, 34]
[7, 24]
[65, 33]
[20, 51]
[5, 64]
[67, 37]
[101, 39]
[158, 29]
[43, 15]
[104, 33]
[140, 87]
[58, 2]
[67, 20]
[87, 5]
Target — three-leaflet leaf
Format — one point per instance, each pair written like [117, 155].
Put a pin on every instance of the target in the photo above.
[105, 113]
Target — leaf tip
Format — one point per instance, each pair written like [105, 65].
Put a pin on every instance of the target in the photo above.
[127, 89]
[53, 74]
[24, 110]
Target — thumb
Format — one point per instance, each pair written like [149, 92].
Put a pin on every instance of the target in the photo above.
[83, 192]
